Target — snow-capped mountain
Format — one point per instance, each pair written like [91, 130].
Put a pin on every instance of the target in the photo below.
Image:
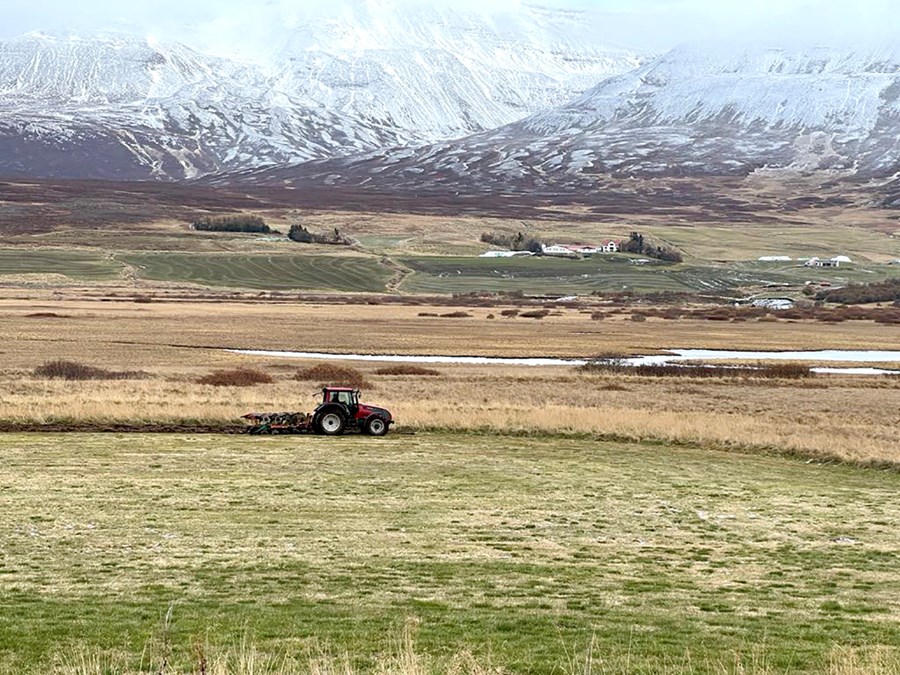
[694, 111]
[119, 107]
[375, 75]
[445, 73]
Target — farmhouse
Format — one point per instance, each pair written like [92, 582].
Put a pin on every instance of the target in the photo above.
[608, 246]
[830, 262]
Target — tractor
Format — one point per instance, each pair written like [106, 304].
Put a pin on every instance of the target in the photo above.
[340, 411]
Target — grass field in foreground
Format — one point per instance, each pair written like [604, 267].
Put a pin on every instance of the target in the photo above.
[523, 551]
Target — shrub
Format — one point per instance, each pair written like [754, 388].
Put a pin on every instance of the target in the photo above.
[516, 242]
[331, 374]
[71, 370]
[535, 314]
[301, 235]
[637, 244]
[239, 377]
[790, 371]
[863, 294]
[407, 369]
[773, 371]
[251, 224]
[456, 315]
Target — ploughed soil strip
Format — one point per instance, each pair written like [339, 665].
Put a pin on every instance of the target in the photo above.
[100, 427]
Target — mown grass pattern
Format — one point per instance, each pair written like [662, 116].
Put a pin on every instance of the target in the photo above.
[264, 272]
[73, 264]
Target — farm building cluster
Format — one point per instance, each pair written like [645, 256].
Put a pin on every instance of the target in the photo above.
[562, 250]
[836, 261]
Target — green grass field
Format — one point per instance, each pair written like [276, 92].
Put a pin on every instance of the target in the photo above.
[749, 243]
[77, 265]
[522, 550]
[263, 272]
[538, 275]
[559, 275]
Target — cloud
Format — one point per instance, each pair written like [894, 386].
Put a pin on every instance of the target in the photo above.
[649, 24]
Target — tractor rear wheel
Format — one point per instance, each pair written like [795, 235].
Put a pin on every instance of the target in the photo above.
[376, 427]
[331, 424]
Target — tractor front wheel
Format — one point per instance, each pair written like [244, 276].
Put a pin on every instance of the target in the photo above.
[331, 424]
[376, 426]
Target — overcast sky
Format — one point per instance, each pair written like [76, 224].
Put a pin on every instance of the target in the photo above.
[646, 24]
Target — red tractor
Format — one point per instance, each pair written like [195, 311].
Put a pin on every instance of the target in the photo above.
[339, 411]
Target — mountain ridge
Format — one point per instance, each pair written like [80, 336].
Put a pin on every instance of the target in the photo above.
[694, 111]
[111, 106]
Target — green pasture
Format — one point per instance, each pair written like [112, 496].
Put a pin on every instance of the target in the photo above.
[564, 276]
[748, 243]
[530, 553]
[263, 272]
[77, 265]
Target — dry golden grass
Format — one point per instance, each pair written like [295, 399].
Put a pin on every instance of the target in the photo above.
[162, 332]
[849, 419]
[826, 418]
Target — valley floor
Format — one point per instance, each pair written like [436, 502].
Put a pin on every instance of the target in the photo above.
[169, 346]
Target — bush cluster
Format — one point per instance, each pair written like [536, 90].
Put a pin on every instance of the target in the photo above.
[325, 374]
[72, 370]
[407, 369]
[514, 242]
[863, 294]
[638, 245]
[252, 224]
[301, 235]
[535, 314]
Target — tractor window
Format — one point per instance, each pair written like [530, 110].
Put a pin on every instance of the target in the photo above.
[344, 397]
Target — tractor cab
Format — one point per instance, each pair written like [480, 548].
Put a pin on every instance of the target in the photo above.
[342, 395]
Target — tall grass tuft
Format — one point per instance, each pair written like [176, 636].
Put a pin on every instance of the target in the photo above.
[405, 659]
[408, 369]
[239, 377]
